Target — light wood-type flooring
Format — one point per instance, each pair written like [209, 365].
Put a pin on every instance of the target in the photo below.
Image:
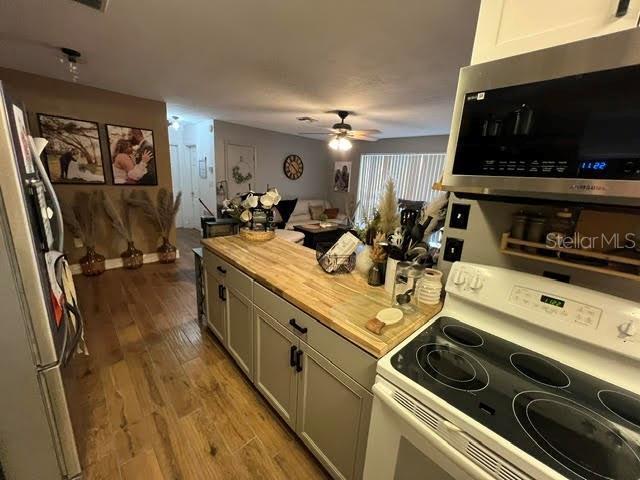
[160, 399]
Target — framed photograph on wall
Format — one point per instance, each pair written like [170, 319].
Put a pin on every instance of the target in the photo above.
[342, 177]
[73, 154]
[132, 154]
[240, 166]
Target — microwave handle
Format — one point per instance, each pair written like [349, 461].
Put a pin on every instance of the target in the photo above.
[385, 395]
[623, 8]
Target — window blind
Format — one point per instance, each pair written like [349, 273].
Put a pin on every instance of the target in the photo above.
[413, 173]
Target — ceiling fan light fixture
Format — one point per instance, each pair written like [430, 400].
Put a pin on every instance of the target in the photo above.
[341, 144]
[344, 145]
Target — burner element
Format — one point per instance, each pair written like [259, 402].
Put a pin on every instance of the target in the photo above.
[463, 336]
[539, 370]
[623, 405]
[452, 367]
[579, 439]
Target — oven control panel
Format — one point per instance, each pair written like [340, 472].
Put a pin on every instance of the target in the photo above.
[553, 306]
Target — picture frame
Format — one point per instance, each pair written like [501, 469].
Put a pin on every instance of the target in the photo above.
[342, 177]
[73, 154]
[132, 155]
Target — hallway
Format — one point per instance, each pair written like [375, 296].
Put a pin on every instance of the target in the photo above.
[159, 399]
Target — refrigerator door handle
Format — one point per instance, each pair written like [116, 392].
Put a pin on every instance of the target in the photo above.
[62, 430]
[57, 211]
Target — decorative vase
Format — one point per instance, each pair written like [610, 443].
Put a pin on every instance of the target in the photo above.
[363, 261]
[131, 257]
[166, 252]
[92, 264]
[376, 275]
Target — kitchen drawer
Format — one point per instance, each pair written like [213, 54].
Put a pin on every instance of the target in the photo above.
[350, 358]
[240, 282]
[215, 265]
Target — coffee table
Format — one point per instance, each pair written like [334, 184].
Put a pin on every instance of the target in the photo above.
[314, 233]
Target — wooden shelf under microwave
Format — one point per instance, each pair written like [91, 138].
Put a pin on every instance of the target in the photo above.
[607, 264]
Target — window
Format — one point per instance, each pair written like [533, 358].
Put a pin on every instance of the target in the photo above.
[413, 173]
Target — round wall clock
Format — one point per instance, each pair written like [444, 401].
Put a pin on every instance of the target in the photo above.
[293, 167]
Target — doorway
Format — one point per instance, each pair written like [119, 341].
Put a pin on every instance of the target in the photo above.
[184, 179]
[192, 170]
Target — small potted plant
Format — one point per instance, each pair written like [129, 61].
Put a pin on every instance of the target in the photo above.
[120, 218]
[80, 219]
[161, 214]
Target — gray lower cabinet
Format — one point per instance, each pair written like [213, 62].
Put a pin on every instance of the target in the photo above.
[314, 378]
[275, 375]
[216, 307]
[240, 329]
[333, 415]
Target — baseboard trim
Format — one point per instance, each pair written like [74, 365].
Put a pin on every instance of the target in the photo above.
[112, 263]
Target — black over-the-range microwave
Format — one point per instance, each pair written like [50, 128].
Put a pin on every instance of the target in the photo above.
[561, 123]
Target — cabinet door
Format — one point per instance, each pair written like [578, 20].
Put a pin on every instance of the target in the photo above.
[216, 311]
[333, 415]
[275, 374]
[511, 27]
[240, 329]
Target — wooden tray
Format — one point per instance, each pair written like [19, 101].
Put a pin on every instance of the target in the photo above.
[257, 236]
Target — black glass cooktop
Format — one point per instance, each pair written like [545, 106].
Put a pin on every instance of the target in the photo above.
[580, 426]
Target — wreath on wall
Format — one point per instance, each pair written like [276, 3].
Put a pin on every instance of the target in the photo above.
[238, 177]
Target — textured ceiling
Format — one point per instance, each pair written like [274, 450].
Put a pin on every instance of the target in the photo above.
[259, 62]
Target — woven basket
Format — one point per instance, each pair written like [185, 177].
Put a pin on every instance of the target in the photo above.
[256, 236]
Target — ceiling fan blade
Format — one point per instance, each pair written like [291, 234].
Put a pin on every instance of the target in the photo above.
[366, 132]
[365, 138]
[315, 133]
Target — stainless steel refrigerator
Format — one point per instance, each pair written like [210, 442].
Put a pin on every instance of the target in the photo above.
[38, 335]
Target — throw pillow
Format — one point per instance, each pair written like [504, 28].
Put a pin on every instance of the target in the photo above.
[316, 211]
[286, 208]
[332, 212]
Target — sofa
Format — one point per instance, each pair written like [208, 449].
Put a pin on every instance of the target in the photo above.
[301, 214]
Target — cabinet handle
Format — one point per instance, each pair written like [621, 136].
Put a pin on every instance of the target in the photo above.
[623, 8]
[224, 293]
[293, 323]
[221, 270]
[292, 356]
[299, 361]
[220, 292]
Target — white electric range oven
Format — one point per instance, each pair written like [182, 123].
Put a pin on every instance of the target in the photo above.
[519, 377]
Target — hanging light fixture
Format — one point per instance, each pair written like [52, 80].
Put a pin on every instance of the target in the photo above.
[71, 57]
[174, 122]
[340, 143]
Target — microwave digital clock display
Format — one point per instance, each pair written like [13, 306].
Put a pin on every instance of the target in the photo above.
[552, 301]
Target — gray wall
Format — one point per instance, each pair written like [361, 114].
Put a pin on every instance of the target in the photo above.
[271, 150]
[429, 144]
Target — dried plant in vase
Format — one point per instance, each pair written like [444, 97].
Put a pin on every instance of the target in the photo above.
[80, 219]
[120, 218]
[378, 257]
[388, 210]
[161, 214]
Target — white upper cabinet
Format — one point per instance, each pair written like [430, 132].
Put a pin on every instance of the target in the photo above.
[511, 27]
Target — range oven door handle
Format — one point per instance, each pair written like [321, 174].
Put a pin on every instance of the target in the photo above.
[385, 395]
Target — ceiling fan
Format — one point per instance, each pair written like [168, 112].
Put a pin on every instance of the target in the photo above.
[341, 132]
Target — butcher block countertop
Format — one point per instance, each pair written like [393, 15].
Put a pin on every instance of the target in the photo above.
[342, 302]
